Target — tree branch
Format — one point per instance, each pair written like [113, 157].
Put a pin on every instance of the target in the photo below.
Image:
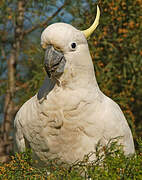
[46, 21]
[19, 87]
[3, 52]
[11, 66]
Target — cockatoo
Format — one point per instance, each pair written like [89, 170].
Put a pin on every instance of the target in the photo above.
[69, 115]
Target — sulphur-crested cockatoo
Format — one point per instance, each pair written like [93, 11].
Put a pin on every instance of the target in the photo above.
[69, 115]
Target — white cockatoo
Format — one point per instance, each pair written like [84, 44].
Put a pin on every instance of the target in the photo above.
[69, 115]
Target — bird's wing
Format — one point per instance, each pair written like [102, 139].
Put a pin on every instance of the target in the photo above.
[115, 125]
[19, 137]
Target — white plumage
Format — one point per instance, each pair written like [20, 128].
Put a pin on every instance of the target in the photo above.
[68, 121]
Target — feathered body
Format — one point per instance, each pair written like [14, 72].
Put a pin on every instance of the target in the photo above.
[74, 115]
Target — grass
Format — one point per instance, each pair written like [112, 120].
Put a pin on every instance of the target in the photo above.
[110, 163]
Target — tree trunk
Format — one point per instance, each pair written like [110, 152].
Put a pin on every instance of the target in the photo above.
[9, 107]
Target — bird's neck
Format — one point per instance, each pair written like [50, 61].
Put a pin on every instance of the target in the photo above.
[79, 71]
[79, 77]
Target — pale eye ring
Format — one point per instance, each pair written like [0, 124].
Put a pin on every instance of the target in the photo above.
[73, 45]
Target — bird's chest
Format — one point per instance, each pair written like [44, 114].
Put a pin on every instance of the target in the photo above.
[65, 139]
[60, 107]
[63, 127]
[62, 119]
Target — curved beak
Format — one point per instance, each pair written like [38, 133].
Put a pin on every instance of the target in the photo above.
[54, 62]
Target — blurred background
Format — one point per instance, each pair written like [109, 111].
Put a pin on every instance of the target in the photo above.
[115, 47]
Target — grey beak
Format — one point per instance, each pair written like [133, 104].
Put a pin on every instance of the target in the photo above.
[54, 62]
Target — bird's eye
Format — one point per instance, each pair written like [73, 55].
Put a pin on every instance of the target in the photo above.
[73, 46]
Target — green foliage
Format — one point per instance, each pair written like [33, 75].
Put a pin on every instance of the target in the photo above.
[33, 74]
[110, 163]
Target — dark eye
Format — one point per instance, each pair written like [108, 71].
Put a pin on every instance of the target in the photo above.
[73, 45]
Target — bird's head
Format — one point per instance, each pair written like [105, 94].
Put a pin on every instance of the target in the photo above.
[66, 47]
